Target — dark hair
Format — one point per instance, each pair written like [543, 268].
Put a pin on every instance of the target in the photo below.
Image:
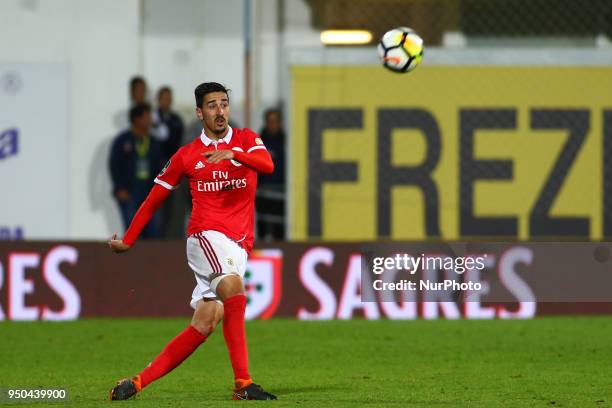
[138, 110]
[164, 89]
[270, 111]
[206, 88]
[136, 80]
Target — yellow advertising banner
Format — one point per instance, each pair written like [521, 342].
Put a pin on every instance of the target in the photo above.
[453, 152]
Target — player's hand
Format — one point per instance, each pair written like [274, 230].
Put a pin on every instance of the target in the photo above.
[215, 156]
[117, 245]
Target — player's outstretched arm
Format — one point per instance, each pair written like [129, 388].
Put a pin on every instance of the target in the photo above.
[259, 160]
[153, 201]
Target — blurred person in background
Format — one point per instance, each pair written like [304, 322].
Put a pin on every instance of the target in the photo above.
[135, 160]
[171, 119]
[139, 93]
[172, 225]
[138, 90]
[271, 193]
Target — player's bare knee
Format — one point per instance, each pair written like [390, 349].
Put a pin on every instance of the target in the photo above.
[219, 315]
[206, 317]
[205, 327]
[230, 286]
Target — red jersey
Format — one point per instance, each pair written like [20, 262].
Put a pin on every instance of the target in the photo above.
[223, 194]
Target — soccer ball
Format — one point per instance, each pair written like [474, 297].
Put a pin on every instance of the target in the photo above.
[400, 49]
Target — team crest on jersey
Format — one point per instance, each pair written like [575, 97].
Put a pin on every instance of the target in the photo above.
[259, 141]
[161, 173]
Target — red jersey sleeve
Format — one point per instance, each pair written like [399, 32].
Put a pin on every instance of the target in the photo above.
[258, 160]
[153, 201]
[173, 172]
[251, 141]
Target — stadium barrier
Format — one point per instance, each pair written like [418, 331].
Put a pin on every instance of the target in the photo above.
[69, 280]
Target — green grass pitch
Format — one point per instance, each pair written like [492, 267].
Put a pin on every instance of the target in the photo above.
[546, 362]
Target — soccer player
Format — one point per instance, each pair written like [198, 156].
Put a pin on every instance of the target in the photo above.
[221, 166]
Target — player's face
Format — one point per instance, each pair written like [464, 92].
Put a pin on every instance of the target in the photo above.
[214, 113]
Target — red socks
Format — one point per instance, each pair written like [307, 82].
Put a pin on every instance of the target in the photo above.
[189, 339]
[235, 338]
[171, 356]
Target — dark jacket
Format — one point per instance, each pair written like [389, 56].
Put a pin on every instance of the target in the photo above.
[276, 147]
[175, 129]
[123, 158]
